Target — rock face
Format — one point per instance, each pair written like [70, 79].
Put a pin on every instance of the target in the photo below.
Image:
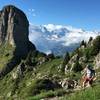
[97, 61]
[14, 29]
[69, 83]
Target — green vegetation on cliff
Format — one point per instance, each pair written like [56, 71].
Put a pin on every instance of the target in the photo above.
[6, 54]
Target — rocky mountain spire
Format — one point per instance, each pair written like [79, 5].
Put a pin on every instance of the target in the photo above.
[14, 29]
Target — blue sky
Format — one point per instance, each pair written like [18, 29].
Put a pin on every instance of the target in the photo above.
[77, 13]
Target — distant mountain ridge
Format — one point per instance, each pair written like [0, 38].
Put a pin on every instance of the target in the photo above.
[58, 38]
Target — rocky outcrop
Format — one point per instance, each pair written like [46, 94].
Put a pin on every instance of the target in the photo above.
[68, 83]
[97, 61]
[71, 62]
[14, 29]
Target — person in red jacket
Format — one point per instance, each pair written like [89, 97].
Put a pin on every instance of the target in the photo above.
[89, 74]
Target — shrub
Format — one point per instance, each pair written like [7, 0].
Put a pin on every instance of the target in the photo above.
[77, 67]
[50, 56]
[43, 85]
[65, 61]
[30, 60]
[90, 39]
[83, 43]
[96, 46]
[87, 54]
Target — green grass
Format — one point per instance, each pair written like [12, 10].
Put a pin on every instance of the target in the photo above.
[6, 86]
[87, 94]
[49, 68]
[27, 83]
[48, 94]
[6, 53]
[42, 95]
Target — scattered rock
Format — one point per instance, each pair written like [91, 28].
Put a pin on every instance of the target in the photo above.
[41, 60]
[69, 84]
[20, 69]
[74, 59]
[66, 69]
[14, 75]
[9, 94]
[28, 83]
[97, 61]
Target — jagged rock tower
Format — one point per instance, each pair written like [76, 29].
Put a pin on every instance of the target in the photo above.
[14, 30]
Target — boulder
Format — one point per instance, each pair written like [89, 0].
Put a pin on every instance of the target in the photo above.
[68, 83]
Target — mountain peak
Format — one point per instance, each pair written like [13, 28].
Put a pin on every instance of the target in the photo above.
[14, 29]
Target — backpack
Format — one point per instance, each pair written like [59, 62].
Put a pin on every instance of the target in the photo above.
[92, 72]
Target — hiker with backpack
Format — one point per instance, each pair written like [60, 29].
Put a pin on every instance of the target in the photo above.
[88, 76]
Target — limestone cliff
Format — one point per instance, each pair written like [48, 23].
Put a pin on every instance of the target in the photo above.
[14, 29]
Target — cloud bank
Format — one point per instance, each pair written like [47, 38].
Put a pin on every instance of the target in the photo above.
[58, 38]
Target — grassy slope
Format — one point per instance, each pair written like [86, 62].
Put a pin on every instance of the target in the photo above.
[49, 68]
[24, 85]
[29, 81]
[22, 88]
[87, 94]
[92, 93]
[6, 53]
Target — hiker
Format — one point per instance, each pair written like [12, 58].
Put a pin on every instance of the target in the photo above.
[89, 74]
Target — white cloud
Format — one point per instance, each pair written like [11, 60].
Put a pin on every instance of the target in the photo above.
[32, 12]
[77, 37]
[51, 37]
